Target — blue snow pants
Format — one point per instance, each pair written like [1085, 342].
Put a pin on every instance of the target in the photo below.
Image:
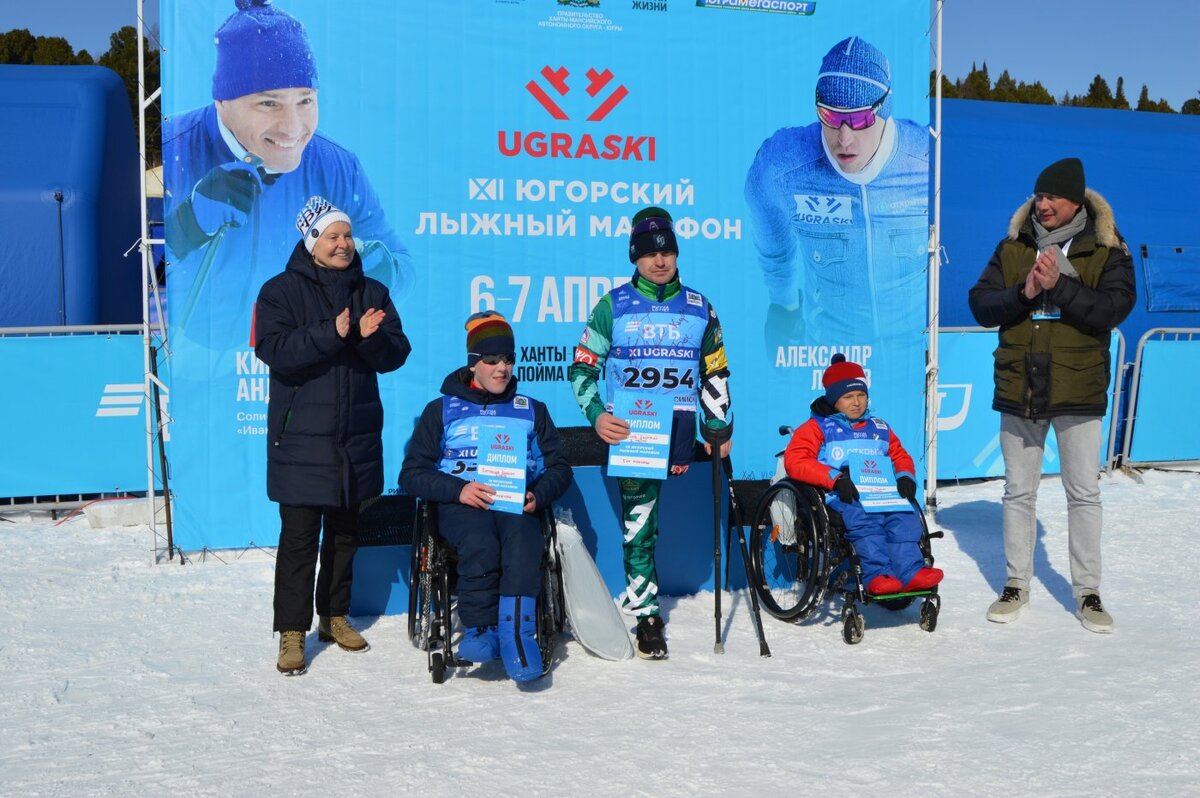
[499, 554]
[886, 543]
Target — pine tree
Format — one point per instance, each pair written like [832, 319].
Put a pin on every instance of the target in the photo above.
[1098, 94]
[17, 46]
[1005, 90]
[1191, 106]
[1143, 103]
[977, 85]
[949, 90]
[1034, 94]
[1119, 101]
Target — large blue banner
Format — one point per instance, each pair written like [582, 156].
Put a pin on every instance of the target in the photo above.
[490, 154]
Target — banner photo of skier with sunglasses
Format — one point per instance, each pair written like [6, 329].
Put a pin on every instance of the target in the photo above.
[839, 212]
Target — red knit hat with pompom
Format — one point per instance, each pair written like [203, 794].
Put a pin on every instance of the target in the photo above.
[842, 377]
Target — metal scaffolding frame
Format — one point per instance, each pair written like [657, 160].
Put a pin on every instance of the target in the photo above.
[154, 337]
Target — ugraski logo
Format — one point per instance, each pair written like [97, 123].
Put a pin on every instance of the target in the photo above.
[558, 144]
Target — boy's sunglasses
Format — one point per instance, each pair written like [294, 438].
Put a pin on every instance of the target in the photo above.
[492, 360]
[857, 119]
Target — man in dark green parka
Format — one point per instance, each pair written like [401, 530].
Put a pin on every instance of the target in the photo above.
[1056, 287]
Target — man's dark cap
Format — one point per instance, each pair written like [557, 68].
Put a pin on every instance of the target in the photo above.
[1062, 179]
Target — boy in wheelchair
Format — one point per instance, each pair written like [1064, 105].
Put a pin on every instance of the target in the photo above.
[499, 552]
[841, 437]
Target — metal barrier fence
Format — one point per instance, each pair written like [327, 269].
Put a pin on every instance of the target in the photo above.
[1166, 377]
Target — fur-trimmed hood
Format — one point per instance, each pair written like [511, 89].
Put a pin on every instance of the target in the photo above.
[1099, 212]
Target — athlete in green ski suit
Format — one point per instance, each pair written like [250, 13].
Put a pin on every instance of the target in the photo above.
[653, 335]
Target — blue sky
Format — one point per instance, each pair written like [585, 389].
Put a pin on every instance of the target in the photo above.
[1064, 44]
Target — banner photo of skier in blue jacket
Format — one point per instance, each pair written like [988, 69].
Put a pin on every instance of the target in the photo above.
[838, 212]
[490, 154]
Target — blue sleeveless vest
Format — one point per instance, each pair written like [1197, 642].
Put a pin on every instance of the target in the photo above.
[840, 441]
[460, 436]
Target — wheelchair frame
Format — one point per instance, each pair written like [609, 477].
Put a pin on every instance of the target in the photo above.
[792, 577]
[430, 610]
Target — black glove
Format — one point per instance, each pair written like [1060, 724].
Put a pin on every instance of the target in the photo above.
[907, 488]
[845, 489]
[225, 196]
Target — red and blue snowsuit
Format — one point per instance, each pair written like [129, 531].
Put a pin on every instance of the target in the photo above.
[886, 542]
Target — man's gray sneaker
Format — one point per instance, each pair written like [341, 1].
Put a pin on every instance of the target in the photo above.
[1091, 614]
[1010, 605]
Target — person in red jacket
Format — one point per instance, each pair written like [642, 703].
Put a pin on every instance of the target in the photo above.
[870, 477]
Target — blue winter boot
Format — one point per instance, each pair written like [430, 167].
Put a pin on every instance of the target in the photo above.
[518, 641]
[479, 644]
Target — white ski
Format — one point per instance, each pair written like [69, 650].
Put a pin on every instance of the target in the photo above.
[595, 620]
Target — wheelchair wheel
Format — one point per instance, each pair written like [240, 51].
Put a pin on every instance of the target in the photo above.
[439, 625]
[789, 552]
[421, 604]
[551, 611]
[929, 613]
[853, 625]
[416, 567]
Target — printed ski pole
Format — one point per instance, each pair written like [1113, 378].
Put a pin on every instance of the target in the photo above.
[735, 518]
[718, 646]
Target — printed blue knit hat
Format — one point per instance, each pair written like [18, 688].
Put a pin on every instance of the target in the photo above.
[855, 74]
[260, 48]
[316, 215]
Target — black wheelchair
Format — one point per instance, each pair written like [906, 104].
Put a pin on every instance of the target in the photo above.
[431, 619]
[799, 554]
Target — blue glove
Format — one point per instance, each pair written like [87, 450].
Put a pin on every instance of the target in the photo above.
[225, 196]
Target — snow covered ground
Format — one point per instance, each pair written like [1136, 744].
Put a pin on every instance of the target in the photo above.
[119, 677]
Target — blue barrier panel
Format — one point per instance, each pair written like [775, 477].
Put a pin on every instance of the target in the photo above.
[74, 408]
[1169, 375]
[968, 429]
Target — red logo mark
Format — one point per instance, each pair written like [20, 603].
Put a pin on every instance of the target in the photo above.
[501, 438]
[597, 81]
[584, 356]
[869, 463]
[643, 404]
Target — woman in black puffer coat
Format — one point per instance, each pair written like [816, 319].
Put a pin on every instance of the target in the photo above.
[325, 330]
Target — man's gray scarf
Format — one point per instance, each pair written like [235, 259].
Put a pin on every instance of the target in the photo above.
[1060, 235]
[1052, 240]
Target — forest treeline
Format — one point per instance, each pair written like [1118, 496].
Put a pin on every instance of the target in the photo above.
[978, 85]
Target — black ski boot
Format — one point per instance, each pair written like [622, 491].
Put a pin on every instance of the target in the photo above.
[650, 641]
